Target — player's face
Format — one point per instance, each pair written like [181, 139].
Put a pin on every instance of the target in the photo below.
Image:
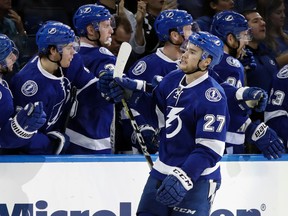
[9, 62]
[67, 55]
[106, 31]
[190, 58]
[257, 25]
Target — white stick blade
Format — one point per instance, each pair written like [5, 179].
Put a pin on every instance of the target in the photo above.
[123, 55]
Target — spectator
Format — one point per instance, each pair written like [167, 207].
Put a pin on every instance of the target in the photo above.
[210, 8]
[15, 130]
[11, 25]
[276, 40]
[89, 129]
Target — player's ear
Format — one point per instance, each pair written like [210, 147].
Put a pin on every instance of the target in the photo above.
[205, 63]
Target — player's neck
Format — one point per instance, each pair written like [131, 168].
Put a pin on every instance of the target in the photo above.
[194, 76]
[172, 52]
[49, 66]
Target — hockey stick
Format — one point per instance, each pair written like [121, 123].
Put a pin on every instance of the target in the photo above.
[122, 58]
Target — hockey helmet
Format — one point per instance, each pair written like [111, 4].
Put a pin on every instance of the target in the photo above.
[7, 47]
[171, 19]
[89, 14]
[54, 33]
[228, 22]
[210, 44]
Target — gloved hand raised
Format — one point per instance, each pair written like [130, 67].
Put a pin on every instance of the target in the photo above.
[248, 60]
[174, 188]
[265, 139]
[126, 88]
[60, 142]
[28, 120]
[252, 97]
[105, 78]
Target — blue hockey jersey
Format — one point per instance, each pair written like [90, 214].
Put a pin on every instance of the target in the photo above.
[276, 113]
[89, 128]
[33, 83]
[196, 120]
[229, 70]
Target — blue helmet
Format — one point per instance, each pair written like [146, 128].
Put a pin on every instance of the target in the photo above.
[54, 33]
[228, 22]
[89, 14]
[210, 44]
[171, 19]
[7, 47]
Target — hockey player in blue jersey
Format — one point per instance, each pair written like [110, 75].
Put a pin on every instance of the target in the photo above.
[172, 27]
[276, 113]
[42, 78]
[89, 129]
[232, 28]
[15, 130]
[186, 174]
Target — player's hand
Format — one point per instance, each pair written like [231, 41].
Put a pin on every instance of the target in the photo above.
[252, 97]
[156, 80]
[116, 92]
[105, 78]
[29, 119]
[174, 188]
[150, 136]
[131, 84]
[248, 60]
[59, 141]
[266, 140]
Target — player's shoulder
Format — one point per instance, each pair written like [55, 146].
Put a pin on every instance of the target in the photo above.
[144, 64]
[283, 73]
[229, 61]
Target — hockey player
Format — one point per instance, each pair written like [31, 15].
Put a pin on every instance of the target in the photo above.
[172, 27]
[89, 129]
[232, 28]
[276, 112]
[43, 79]
[186, 174]
[15, 130]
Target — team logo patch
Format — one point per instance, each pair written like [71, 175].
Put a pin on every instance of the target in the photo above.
[233, 62]
[283, 73]
[213, 95]
[272, 62]
[105, 51]
[29, 88]
[139, 68]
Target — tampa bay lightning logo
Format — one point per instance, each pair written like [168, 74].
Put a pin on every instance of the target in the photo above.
[283, 73]
[52, 31]
[173, 122]
[105, 51]
[213, 94]
[229, 18]
[233, 62]
[139, 68]
[169, 14]
[29, 88]
[87, 10]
